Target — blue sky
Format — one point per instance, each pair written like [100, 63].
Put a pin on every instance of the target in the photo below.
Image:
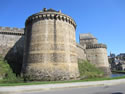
[105, 19]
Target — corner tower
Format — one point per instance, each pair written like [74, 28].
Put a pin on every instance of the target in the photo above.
[96, 53]
[50, 48]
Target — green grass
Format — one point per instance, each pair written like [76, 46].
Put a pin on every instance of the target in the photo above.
[88, 70]
[56, 82]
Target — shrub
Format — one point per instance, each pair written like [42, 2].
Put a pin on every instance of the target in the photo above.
[6, 72]
[4, 67]
[88, 70]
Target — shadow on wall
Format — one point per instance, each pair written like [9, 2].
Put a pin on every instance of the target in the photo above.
[109, 93]
[117, 93]
[14, 56]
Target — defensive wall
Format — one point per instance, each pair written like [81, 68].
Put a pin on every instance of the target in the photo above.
[97, 55]
[56, 50]
[81, 55]
[11, 46]
[12, 43]
[50, 51]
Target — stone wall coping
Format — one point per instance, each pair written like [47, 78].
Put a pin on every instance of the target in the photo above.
[92, 46]
[11, 31]
[50, 15]
[80, 46]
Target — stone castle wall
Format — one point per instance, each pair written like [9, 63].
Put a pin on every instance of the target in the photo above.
[88, 41]
[49, 47]
[50, 51]
[12, 31]
[97, 55]
[81, 55]
[11, 46]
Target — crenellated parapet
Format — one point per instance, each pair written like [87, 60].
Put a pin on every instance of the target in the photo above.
[11, 31]
[92, 46]
[51, 47]
[50, 14]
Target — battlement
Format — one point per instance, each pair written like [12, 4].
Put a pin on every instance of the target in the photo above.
[50, 14]
[11, 31]
[92, 46]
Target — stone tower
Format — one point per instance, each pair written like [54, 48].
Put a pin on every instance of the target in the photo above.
[96, 53]
[87, 39]
[50, 47]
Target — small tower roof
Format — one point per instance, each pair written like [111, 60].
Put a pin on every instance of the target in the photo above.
[87, 36]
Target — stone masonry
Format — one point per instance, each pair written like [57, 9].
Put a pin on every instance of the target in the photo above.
[50, 51]
[95, 53]
[48, 48]
[11, 46]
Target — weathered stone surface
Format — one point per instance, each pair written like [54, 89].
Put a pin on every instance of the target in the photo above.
[96, 53]
[50, 49]
[81, 55]
[11, 47]
[87, 39]
[98, 57]
[93, 46]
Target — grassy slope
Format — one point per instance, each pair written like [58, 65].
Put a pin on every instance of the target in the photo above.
[88, 71]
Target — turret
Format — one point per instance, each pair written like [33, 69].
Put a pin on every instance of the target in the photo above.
[50, 48]
[95, 53]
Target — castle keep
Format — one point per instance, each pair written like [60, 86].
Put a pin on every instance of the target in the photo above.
[48, 48]
[50, 51]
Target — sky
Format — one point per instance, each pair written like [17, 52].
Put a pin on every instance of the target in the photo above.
[105, 19]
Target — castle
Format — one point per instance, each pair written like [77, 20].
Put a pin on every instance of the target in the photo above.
[48, 49]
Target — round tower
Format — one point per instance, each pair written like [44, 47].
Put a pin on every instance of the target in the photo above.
[50, 47]
[97, 55]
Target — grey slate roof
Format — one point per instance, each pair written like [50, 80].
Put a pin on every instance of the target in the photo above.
[87, 36]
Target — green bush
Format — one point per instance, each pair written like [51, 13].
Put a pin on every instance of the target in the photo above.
[4, 67]
[6, 72]
[88, 70]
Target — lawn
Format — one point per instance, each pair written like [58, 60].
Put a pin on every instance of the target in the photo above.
[56, 82]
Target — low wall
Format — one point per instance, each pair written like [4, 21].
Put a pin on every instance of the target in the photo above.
[81, 52]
